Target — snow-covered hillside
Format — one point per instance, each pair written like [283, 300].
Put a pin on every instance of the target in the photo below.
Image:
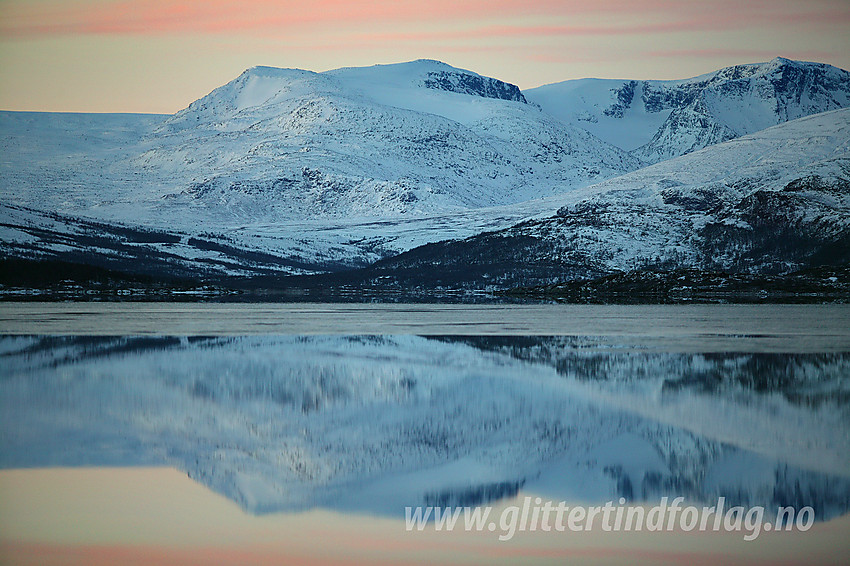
[657, 120]
[770, 202]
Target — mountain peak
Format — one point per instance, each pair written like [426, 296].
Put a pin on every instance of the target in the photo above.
[273, 72]
[768, 67]
[782, 61]
[433, 64]
[433, 74]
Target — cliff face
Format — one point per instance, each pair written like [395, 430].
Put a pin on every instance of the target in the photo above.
[658, 120]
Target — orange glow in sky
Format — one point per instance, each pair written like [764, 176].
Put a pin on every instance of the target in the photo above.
[159, 55]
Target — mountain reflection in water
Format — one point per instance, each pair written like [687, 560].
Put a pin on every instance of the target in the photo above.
[376, 423]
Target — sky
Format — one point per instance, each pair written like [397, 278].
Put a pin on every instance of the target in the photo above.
[159, 55]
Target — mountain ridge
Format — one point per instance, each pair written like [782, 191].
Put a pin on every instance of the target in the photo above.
[664, 119]
[283, 169]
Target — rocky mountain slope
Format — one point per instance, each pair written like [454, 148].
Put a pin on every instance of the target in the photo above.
[657, 120]
[768, 203]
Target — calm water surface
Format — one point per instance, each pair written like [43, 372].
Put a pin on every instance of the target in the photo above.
[328, 412]
[782, 328]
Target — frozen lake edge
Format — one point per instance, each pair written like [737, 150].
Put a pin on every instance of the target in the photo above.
[675, 328]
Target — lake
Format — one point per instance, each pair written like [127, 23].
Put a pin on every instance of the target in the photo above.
[310, 432]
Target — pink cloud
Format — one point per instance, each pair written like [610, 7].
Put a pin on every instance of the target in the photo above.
[764, 54]
[222, 16]
[681, 22]
[500, 32]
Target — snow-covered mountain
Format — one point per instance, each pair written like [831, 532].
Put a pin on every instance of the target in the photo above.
[770, 202]
[657, 120]
[416, 137]
[375, 423]
[285, 171]
[276, 144]
[276, 160]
